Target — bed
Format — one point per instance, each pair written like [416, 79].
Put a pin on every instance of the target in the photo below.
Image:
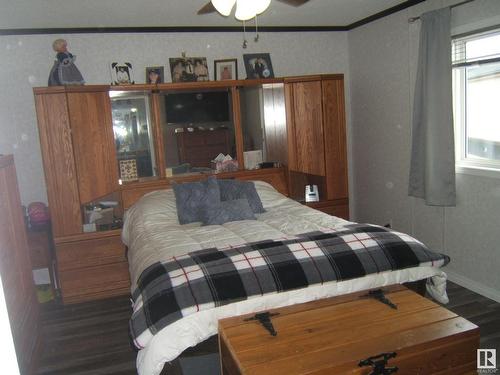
[154, 236]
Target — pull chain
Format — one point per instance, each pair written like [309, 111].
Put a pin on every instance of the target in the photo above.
[256, 39]
[245, 42]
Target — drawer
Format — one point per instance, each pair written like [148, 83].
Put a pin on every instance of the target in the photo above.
[331, 208]
[90, 283]
[89, 253]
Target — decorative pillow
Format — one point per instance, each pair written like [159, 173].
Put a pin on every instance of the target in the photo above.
[193, 197]
[235, 189]
[226, 211]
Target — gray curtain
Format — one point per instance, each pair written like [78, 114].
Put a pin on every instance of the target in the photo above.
[432, 170]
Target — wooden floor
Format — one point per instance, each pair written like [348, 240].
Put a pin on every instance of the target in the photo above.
[92, 338]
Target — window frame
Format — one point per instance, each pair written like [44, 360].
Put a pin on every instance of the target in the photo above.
[464, 164]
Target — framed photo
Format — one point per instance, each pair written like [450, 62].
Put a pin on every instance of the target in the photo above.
[121, 73]
[189, 69]
[258, 66]
[225, 69]
[155, 75]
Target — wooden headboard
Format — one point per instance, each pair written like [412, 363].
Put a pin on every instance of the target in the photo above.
[274, 176]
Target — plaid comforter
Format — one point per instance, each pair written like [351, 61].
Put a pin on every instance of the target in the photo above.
[212, 277]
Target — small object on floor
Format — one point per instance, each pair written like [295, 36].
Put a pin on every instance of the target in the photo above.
[44, 293]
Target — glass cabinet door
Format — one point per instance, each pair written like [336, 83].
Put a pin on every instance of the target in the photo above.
[133, 135]
[197, 127]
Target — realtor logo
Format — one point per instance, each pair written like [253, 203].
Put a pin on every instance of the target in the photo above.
[487, 359]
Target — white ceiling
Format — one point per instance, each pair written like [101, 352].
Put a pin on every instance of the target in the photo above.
[167, 13]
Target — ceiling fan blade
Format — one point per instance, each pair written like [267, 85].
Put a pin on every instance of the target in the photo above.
[295, 3]
[207, 8]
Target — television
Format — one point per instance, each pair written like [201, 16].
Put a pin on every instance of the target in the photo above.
[197, 107]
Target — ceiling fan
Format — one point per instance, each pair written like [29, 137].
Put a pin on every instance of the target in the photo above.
[245, 9]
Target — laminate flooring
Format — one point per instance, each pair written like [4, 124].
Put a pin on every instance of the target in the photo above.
[92, 337]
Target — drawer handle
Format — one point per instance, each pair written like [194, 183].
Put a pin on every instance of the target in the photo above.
[378, 364]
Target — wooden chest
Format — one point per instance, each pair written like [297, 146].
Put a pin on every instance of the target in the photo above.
[333, 336]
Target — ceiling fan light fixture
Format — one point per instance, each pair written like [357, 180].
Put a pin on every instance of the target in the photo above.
[245, 10]
[248, 9]
[224, 7]
[261, 5]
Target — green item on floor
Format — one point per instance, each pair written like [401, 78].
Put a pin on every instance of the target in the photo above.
[44, 293]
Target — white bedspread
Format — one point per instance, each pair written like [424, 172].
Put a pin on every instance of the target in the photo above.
[152, 233]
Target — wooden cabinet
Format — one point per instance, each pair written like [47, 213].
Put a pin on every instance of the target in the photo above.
[92, 266]
[15, 268]
[317, 144]
[78, 150]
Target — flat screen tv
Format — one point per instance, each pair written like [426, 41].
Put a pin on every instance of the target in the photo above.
[200, 107]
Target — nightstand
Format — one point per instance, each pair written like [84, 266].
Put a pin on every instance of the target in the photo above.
[335, 207]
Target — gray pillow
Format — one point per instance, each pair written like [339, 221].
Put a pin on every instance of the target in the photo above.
[192, 198]
[235, 189]
[226, 211]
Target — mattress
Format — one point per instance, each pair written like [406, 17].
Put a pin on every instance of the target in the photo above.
[152, 234]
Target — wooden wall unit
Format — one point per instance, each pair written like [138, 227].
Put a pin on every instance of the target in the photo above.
[78, 149]
[15, 269]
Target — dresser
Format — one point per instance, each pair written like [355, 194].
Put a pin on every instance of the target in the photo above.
[200, 146]
[15, 268]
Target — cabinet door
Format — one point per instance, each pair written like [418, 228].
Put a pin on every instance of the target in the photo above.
[335, 138]
[305, 122]
[93, 144]
[58, 163]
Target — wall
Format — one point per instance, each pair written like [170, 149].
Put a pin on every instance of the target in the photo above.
[26, 61]
[382, 60]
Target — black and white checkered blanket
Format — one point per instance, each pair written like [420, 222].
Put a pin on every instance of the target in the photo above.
[208, 278]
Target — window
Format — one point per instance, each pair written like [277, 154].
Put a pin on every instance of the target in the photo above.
[476, 100]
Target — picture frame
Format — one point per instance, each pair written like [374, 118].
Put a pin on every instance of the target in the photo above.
[226, 69]
[122, 73]
[155, 75]
[258, 65]
[128, 170]
[189, 69]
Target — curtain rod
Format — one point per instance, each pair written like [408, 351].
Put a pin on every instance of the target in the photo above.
[413, 19]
